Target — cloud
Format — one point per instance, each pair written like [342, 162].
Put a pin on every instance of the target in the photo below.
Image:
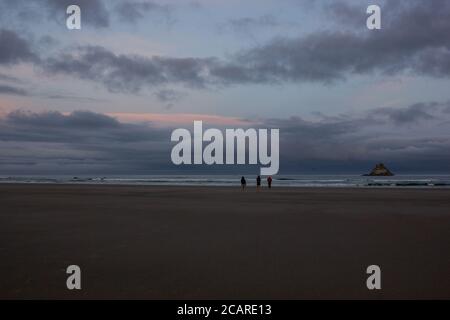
[84, 141]
[8, 78]
[398, 137]
[77, 119]
[14, 49]
[169, 96]
[413, 114]
[72, 97]
[413, 40]
[132, 11]
[347, 14]
[5, 89]
[247, 25]
[79, 142]
[128, 73]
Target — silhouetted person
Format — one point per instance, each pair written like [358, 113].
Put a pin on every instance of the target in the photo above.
[258, 182]
[269, 182]
[243, 183]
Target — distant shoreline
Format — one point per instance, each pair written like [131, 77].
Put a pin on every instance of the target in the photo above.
[237, 186]
[233, 181]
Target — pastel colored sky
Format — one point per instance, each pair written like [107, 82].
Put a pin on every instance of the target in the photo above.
[344, 96]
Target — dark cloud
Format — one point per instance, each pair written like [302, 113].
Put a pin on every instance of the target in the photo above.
[414, 39]
[89, 142]
[435, 63]
[129, 73]
[8, 78]
[46, 42]
[51, 120]
[14, 48]
[413, 138]
[169, 95]
[412, 114]
[83, 141]
[5, 89]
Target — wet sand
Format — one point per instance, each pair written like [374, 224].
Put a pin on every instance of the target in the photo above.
[222, 243]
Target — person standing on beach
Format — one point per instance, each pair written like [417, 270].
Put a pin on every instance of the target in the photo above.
[258, 183]
[243, 183]
[269, 182]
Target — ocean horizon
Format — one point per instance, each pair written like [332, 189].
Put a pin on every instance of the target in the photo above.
[303, 180]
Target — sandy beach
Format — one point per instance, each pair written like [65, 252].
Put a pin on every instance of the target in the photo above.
[222, 243]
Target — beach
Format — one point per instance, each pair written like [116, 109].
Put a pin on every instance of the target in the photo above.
[156, 242]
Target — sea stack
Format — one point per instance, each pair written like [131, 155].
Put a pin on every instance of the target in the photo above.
[380, 170]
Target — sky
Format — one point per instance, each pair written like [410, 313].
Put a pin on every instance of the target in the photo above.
[104, 99]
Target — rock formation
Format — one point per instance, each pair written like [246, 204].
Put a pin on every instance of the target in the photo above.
[380, 171]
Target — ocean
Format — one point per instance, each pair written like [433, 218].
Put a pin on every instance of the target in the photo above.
[405, 181]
